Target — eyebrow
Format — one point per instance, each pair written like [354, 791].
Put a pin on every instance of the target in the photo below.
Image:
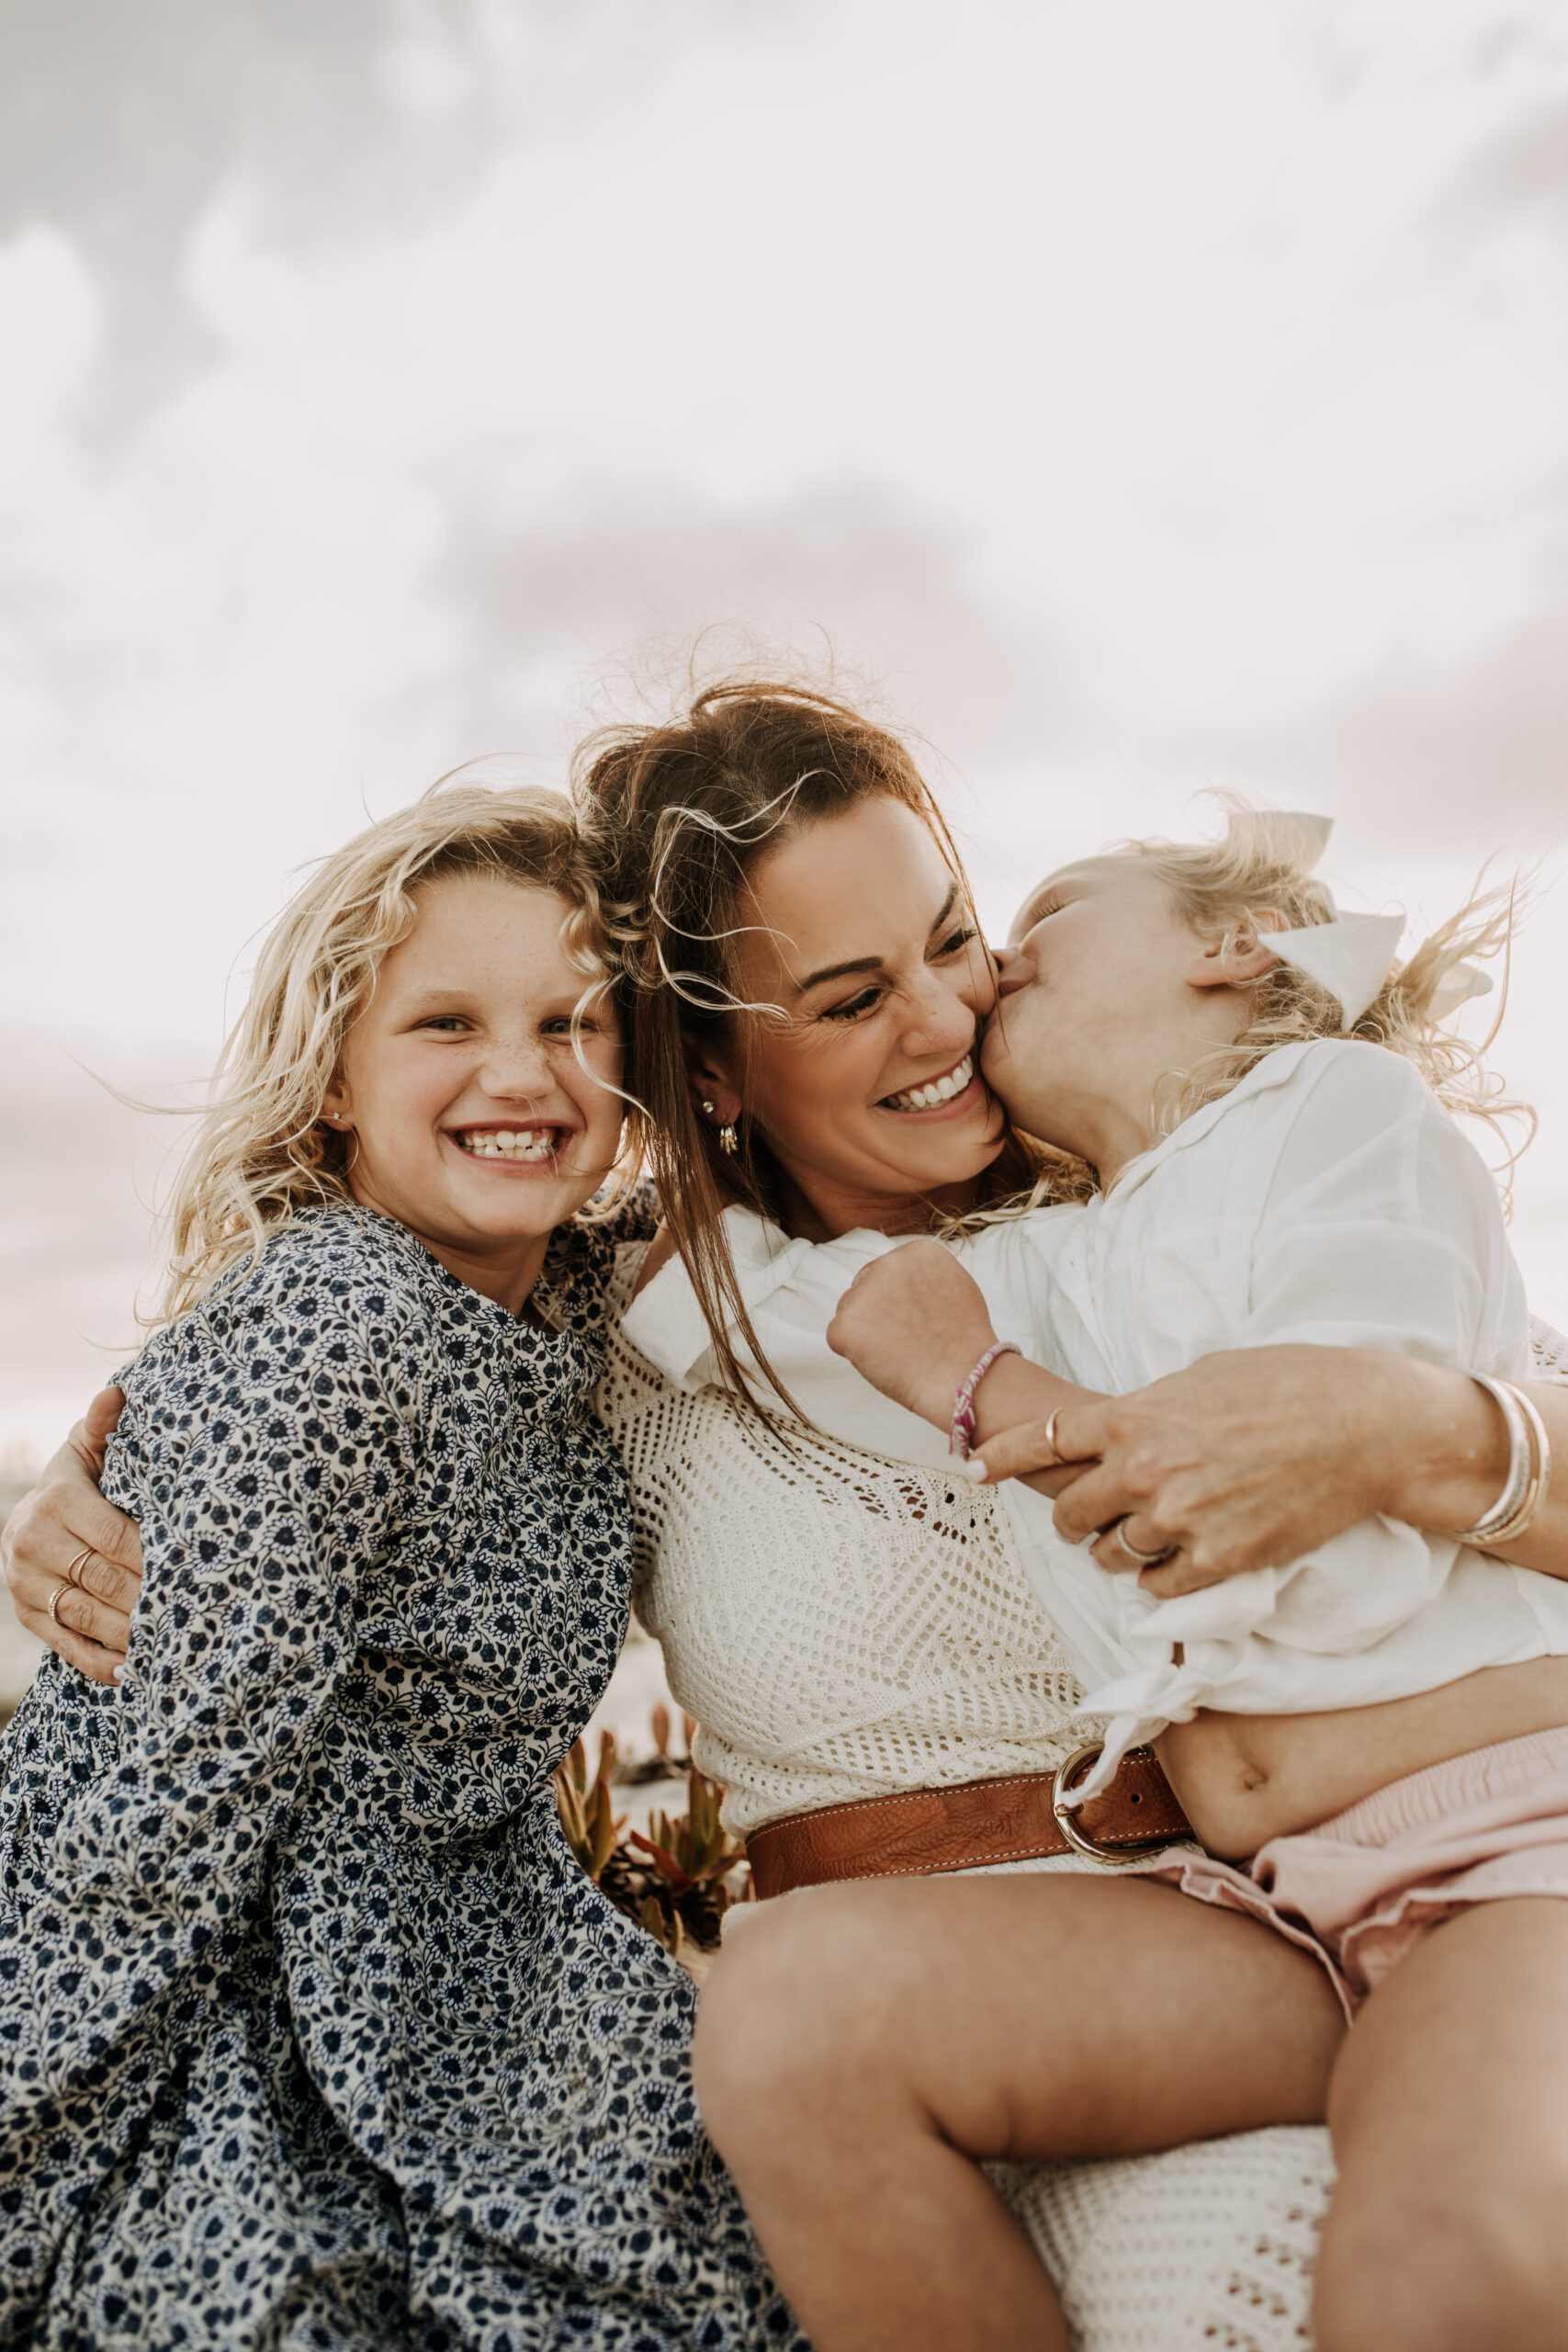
[871, 963]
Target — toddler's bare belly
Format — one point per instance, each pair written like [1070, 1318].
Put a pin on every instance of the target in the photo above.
[1245, 1778]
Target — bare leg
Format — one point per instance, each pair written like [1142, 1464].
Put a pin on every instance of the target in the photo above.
[1449, 2114]
[861, 2047]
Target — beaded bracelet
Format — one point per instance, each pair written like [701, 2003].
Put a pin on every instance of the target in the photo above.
[960, 1436]
[1530, 1469]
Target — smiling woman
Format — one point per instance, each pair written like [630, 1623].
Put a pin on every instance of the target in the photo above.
[846, 1621]
[747, 848]
[865, 1082]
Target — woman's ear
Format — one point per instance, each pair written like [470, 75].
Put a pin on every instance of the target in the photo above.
[1241, 956]
[716, 1096]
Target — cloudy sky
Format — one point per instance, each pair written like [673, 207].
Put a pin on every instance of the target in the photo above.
[1136, 394]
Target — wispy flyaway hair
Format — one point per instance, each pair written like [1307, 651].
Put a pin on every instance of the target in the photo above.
[1264, 859]
[682, 815]
[262, 1151]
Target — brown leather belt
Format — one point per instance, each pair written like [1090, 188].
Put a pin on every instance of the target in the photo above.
[1014, 1820]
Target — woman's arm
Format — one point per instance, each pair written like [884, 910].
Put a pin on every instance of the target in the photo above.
[43, 1540]
[1376, 1264]
[1242, 1461]
[1253, 1457]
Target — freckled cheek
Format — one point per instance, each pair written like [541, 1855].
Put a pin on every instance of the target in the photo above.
[606, 1075]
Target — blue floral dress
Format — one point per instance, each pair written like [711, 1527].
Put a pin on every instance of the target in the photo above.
[312, 2031]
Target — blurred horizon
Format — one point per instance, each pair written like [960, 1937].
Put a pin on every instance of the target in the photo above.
[1129, 400]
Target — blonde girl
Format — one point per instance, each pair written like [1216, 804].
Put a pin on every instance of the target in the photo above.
[1376, 1735]
[845, 1626]
[311, 2033]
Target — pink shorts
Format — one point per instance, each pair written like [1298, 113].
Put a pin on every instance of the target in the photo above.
[1358, 1890]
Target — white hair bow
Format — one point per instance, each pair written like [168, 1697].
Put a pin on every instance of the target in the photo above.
[1353, 956]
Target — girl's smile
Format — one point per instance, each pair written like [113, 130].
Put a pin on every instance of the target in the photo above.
[482, 1112]
[515, 1148]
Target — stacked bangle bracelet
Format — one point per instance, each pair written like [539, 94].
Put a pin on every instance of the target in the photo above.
[1530, 1469]
[961, 1435]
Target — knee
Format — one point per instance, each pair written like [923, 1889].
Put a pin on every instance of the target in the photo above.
[1445, 2278]
[793, 2021]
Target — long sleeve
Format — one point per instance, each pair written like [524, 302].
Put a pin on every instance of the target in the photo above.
[791, 1290]
[1381, 1227]
[1332, 1201]
[266, 1469]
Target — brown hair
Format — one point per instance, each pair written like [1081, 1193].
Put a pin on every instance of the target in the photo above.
[680, 815]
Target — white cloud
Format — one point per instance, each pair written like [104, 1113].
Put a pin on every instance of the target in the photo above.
[1140, 393]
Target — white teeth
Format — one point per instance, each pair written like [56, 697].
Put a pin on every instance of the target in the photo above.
[504, 1143]
[937, 1089]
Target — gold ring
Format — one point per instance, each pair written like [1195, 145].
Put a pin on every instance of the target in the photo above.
[54, 1607]
[1116, 1858]
[1051, 1420]
[84, 1555]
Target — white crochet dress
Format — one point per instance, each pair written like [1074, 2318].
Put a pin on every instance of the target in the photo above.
[840, 1625]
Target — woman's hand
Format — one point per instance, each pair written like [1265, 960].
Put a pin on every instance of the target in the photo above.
[915, 1325]
[43, 1542]
[1250, 1459]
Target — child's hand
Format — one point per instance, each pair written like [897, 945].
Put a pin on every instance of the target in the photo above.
[914, 1324]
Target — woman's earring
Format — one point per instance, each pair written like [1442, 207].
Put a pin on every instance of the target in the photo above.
[707, 1109]
[726, 1142]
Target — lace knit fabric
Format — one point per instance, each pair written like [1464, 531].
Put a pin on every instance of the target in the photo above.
[841, 1625]
[822, 1666]
[1550, 1349]
[1208, 2248]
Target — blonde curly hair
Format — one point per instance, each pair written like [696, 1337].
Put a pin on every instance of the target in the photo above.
[1264, 858]
[261, 1151]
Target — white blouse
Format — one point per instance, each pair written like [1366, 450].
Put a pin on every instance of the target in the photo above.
[1327, 1198]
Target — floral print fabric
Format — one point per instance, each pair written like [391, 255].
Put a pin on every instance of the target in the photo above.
[312, 2031]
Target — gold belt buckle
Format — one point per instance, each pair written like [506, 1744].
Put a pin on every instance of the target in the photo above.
[1115, 1857]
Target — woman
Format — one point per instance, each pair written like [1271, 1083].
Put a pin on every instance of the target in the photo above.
[845, 1626]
